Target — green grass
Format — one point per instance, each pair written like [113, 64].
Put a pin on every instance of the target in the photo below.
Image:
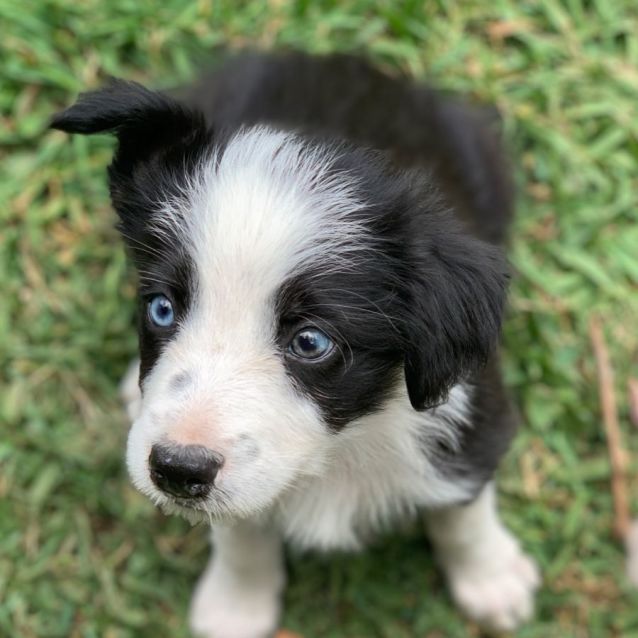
[81, 553]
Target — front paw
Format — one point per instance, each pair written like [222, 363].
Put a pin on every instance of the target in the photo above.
[497, 592]
[224, 608]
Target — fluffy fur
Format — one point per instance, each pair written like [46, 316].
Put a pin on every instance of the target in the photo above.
[254, 202]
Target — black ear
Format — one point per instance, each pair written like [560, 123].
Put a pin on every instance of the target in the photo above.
[119, 106]
[142, 120]
[454, 316]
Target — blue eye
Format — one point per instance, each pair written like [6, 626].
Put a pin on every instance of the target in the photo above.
[311, 344]
[160, 311]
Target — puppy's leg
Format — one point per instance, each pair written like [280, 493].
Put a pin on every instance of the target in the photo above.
[238, 596]
[130, 390]
[491, 579]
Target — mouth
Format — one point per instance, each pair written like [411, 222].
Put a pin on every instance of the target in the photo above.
[190, 512]
[194, 510]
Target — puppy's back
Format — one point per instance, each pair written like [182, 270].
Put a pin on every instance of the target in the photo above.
[344, 96]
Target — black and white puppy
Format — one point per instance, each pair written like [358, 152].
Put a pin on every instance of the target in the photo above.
[319, 321]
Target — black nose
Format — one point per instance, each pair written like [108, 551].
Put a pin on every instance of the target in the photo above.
[187, 471]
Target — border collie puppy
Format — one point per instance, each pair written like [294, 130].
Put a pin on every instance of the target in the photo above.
[321, 285]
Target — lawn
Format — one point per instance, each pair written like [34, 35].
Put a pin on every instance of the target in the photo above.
[81, 553]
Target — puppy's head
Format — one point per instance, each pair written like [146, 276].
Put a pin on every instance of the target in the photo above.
[288, 287]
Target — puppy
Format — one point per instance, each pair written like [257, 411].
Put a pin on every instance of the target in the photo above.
[321, 285]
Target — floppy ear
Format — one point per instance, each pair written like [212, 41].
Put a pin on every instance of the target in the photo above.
[456, 304]
[121, 106]
[143, 120]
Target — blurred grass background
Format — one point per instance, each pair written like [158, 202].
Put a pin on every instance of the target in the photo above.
[82, 554]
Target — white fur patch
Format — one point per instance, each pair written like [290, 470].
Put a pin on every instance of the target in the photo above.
[264, 209]
[377, 470]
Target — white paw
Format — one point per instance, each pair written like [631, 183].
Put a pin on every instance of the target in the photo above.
[498, 591]
[130, 390]
[223, 608]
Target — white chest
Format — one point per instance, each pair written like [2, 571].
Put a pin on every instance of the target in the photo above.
[379, 470]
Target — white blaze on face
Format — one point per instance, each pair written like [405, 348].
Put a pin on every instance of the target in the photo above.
[264, 210]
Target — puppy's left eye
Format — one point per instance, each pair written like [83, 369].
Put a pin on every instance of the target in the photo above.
[311, 344]
[160, 311]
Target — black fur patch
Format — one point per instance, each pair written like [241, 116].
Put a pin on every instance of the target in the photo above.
[423, 296]
[482, 443]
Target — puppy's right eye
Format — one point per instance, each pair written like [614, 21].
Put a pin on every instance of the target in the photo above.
[160, 311]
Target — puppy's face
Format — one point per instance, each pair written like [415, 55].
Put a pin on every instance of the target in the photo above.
[244, 347]
[288, 287]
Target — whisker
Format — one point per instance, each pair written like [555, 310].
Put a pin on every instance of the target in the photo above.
[163, 282]
[144, 247]
[151, 275]
[379, 313]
